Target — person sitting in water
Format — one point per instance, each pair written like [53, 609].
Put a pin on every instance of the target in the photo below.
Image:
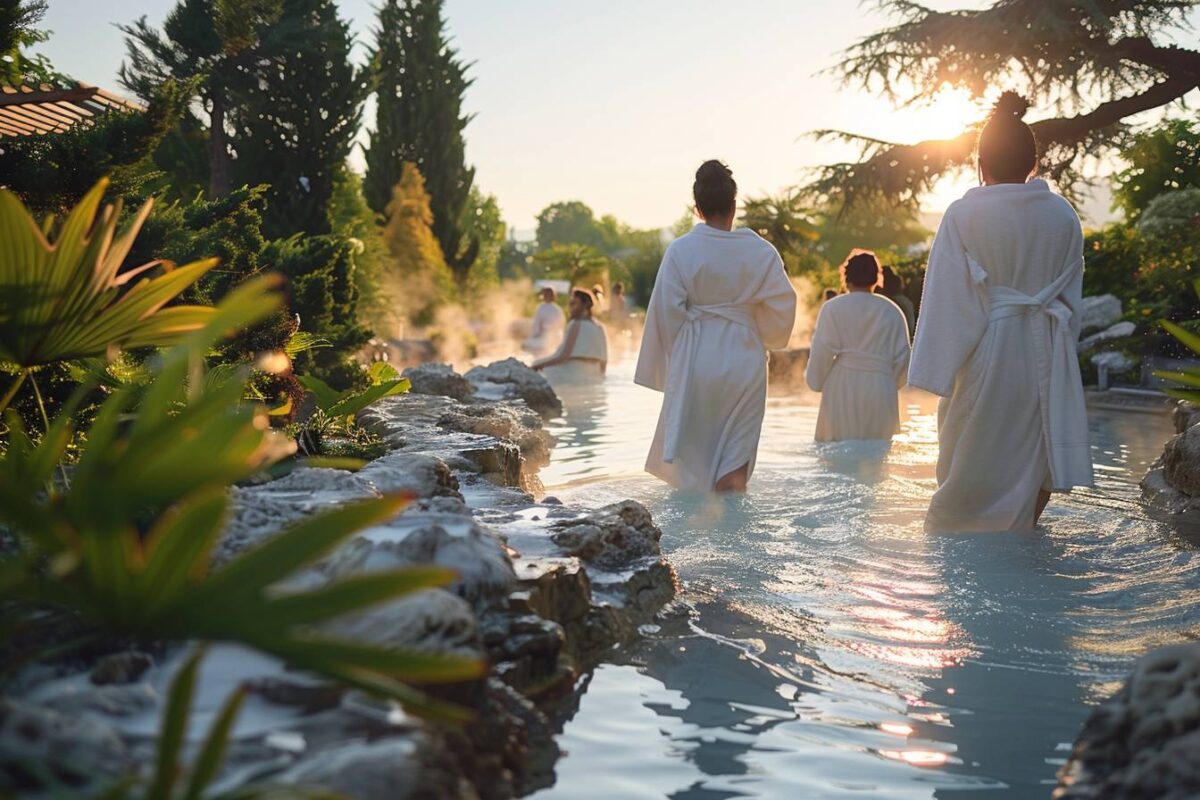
[859, 357]
[583, 353]
[548, 322]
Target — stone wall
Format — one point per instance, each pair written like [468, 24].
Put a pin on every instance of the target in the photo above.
[543, 591]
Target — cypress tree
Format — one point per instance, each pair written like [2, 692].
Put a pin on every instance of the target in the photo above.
[297, 120]
[420, 83]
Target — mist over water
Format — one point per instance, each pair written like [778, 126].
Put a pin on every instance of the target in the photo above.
[825, 646]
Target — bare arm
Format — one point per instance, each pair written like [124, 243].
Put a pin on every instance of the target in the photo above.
[565, 350]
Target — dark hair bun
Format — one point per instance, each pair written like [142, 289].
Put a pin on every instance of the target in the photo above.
[715, 190]
[713, 171]
[1011, 105]
[861, 269]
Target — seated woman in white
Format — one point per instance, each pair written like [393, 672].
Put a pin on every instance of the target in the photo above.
[546, 332]
[859, 357]
[583, 354]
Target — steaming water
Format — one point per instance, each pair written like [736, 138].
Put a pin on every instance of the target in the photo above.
[826, 647]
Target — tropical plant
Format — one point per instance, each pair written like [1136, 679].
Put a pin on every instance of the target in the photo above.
[1188, 377]
[420, 82]
[331, 429]
[64, 295]
[784, 220]
[1159, 160]
[1099, 64]
[170, 780]
[580, 264]
[126, 545]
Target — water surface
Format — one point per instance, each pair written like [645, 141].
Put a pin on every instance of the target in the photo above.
[826, 647]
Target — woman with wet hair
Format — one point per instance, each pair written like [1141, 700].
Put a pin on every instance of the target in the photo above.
[1000, 316]
[720, 301]
[858, 357]
[583, 354]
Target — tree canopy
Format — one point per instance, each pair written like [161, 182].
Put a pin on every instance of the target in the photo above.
[420, 82]
[1095, 64]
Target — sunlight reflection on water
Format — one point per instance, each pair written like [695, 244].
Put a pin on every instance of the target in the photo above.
[828, 647]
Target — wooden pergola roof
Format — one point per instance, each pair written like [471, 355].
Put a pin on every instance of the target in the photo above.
[28, 110]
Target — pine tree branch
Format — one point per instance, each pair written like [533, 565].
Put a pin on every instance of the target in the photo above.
[902, 173]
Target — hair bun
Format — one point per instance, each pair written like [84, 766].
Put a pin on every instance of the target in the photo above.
[1011, 105]
[713, 171]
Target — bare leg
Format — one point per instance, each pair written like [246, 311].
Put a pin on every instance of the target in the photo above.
[1042, 499]
[734, 481]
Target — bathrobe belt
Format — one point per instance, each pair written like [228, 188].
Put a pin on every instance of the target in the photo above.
[1060, 391]
[683, 355]
[862, 361]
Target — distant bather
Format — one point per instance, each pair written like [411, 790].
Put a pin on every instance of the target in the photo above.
[583, 354]
[858, 358]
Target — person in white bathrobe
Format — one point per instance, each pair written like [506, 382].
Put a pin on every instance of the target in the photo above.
[583, 355]
[858, 358]
[720, 301]
[999, 319]
[548, 322]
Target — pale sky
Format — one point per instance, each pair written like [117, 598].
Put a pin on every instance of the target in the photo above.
[616, 103]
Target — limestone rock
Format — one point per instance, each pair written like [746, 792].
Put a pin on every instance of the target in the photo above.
[612, 537]
[258, 512]
[1117, 331]
[431, 620]
[418, 537]
[1161, 495]
[439, 379]
[510, 378]
[1144, 742]
[387, 769]
[1114, 361]
[124, 667]
[1181, 461]
[1185, 415]
[114, 701]
[76, 749]
[510, 423]
[1100, 312]
[421, 475]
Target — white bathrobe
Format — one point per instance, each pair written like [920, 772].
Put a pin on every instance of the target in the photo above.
[547, 330]
[589, 355]
[857, 360]
[720, 301]
[1000, 316]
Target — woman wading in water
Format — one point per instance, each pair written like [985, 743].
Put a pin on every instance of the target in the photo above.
[1000, 315]
[720, 301]
[859, 357]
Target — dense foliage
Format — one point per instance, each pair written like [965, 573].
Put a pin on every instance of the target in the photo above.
[1096, 63]
[297, 122]
[420, 82]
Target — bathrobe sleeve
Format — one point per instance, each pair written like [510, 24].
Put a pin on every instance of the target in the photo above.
[775, 309]
[665, 315]
[1073, 294]
[821, 350]
[901, 351]
[953, 316]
